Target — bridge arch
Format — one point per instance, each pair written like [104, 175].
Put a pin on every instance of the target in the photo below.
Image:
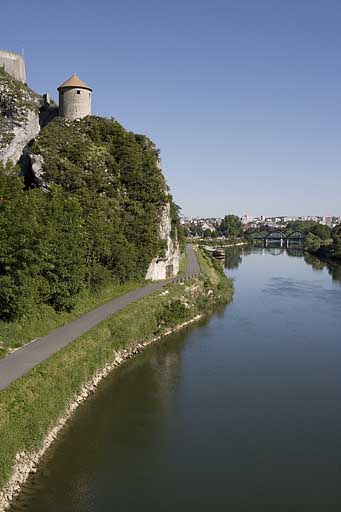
[296, 235]
[275, 235]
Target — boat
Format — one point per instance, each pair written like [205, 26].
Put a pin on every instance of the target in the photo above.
[219, 254]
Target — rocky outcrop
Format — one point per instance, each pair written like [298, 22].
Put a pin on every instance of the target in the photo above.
[21, 135]
[19, 117]
[167, 265]
[22, 114]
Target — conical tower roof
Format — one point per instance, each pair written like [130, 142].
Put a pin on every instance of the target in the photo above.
[74, 81]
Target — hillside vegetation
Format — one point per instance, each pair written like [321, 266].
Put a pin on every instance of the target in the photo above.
[90, 217]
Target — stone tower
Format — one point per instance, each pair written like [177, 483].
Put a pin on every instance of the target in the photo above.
[14, 65]
[74, 99]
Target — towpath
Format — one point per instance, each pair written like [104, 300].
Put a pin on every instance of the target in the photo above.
[24, 359]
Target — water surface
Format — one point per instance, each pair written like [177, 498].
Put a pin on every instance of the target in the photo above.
[241, 412]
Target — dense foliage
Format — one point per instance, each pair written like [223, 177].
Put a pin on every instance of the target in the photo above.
[231, 226]
[41, 248]
[91, 216]
[336, 236]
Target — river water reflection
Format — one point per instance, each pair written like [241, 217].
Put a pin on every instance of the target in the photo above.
[241, 412]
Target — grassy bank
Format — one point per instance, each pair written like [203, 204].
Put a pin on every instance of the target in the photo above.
[45, 319]
[31, 405]
[183, 262]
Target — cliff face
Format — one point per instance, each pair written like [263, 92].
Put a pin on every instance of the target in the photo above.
[22, 114]
[19, 117]
[167, 265]
[111, 172]
[98, 158]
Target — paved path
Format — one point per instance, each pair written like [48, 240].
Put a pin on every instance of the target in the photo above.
[24, 359]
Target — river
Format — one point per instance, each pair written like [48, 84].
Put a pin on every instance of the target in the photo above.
[240, 412]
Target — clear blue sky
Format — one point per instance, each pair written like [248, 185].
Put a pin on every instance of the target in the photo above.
[242, 97]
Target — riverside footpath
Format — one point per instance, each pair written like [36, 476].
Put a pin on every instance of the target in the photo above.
[23, 360]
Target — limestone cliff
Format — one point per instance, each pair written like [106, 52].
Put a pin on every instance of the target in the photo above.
[22, 113]
[19, 117]
[113, 173]
[166, 265]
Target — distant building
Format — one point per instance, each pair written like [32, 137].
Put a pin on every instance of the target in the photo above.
[74, 99]
[246, 219]
[207, 225]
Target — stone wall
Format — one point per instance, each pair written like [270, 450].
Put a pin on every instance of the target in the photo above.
[167, 265]
[14, 65]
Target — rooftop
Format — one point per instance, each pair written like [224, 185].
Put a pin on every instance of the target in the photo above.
[74, 81]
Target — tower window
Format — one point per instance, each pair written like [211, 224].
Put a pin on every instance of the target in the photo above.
[78, 92]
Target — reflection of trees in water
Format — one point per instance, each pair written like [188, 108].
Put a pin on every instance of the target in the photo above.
[334, 269]
[163, 366]
[275, 251]
[233, 257]
[247, 250]
[314, 262]
[295, 251]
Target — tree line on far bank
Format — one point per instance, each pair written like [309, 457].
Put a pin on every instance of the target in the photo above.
[229, 227]
[319, 238]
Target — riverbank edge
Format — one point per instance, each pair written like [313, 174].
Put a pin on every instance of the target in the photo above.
[324, 255]
[27, 460]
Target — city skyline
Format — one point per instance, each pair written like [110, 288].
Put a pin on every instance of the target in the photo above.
[243, 99]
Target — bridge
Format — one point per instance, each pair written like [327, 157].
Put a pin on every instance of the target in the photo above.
[279, 237]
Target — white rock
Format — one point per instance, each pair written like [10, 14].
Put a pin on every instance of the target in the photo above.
[157, 268]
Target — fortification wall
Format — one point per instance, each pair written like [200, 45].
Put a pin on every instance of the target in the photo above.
[14, 65]
[74, 103]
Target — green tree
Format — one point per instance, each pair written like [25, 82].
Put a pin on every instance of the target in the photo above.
[41, 248]
[20, 247]
[92, 215]
[233, 257]
[322, 231]
[231, 226]
[312, 243]
[336, 236]
[305, 226]
[62, 264]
